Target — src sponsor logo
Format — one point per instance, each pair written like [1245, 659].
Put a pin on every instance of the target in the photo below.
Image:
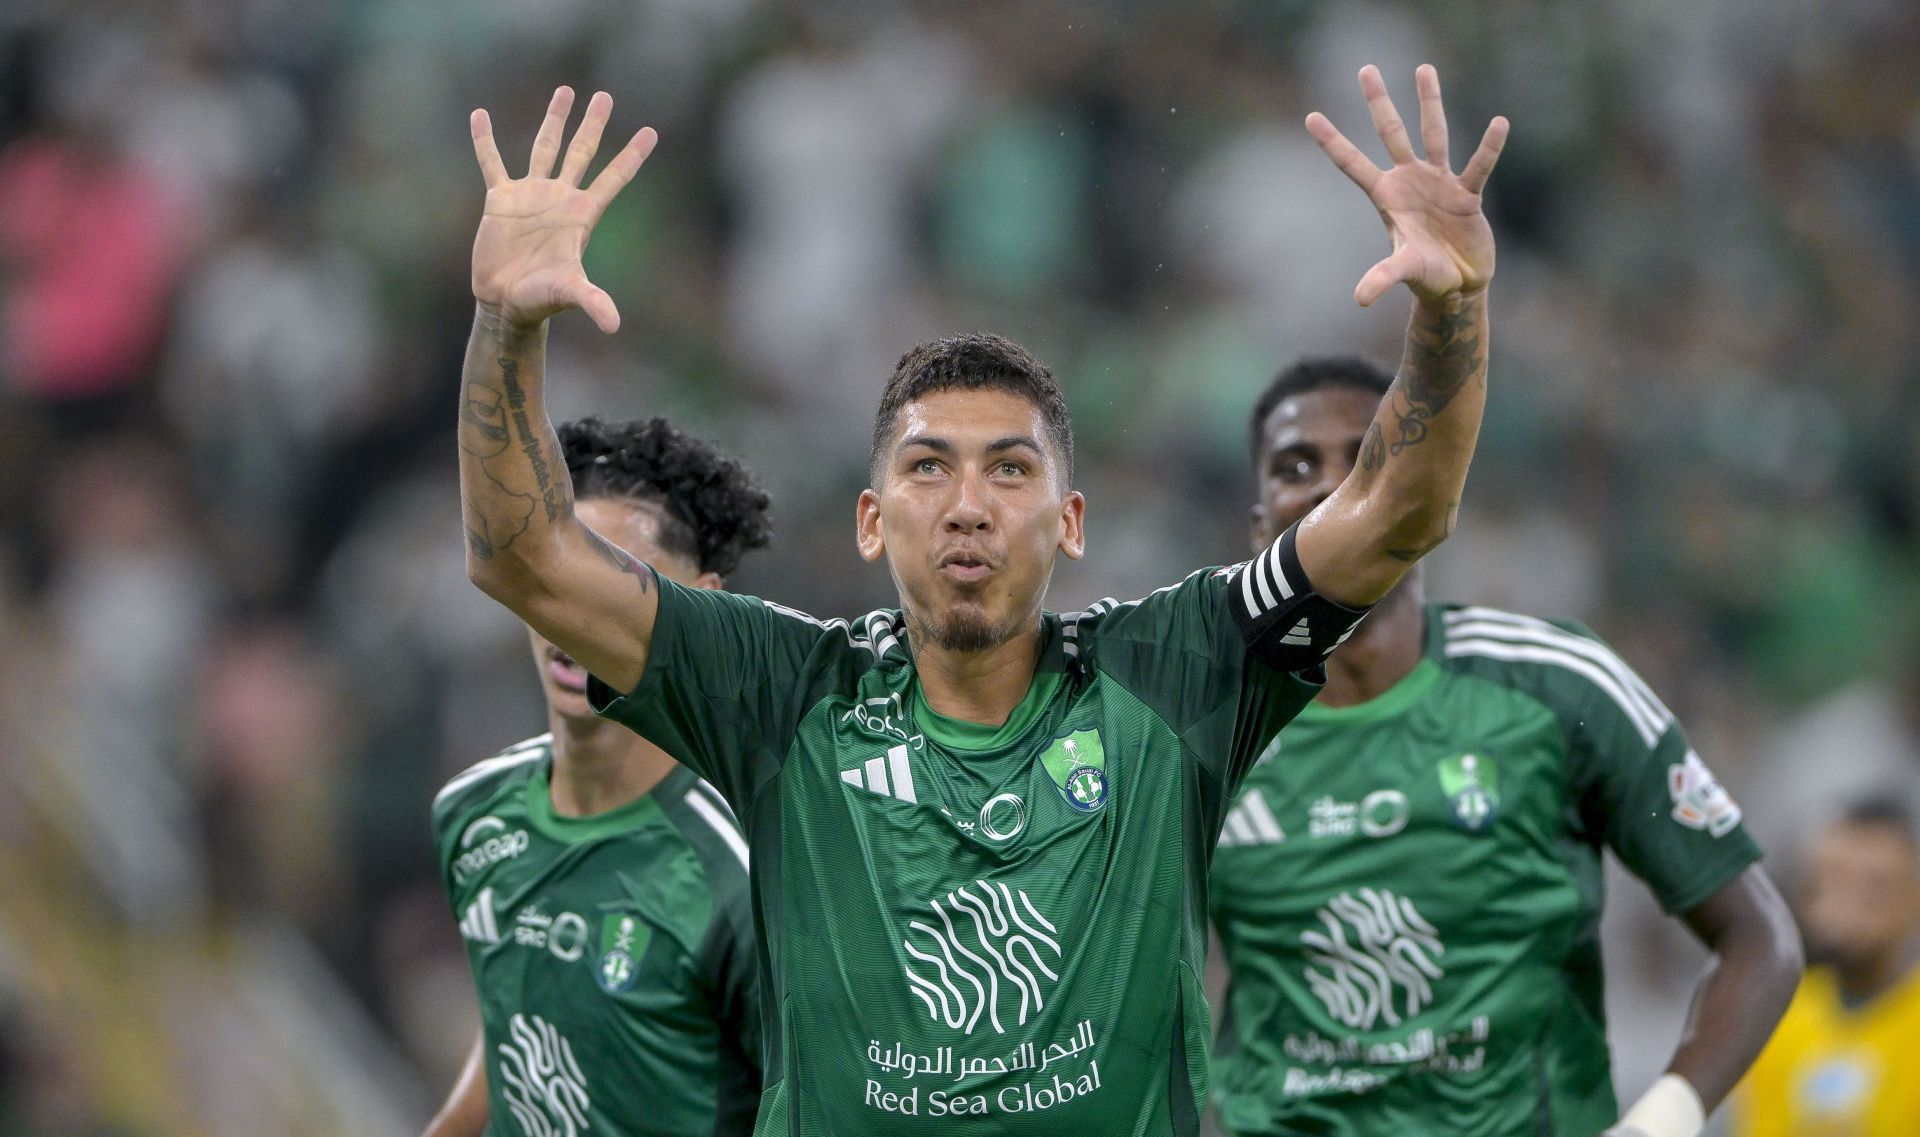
[985, 951]
[542, 1084]
[1375, 956]
[487, 842]
[1699, 802]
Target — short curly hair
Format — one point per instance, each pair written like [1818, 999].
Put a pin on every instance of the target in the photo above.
[972, 361]
[711, 511]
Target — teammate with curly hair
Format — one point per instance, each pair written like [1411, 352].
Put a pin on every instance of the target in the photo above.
[600, 886]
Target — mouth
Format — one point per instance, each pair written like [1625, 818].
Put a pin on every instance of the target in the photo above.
[566, 674]
[965, 567]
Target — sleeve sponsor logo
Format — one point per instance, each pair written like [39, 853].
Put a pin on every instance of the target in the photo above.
[1376, 958]
[985, 952]
[1699, 802]
[544, 1088]
[487, 843]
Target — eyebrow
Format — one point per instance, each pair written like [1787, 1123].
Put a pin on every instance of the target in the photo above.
[942, 446]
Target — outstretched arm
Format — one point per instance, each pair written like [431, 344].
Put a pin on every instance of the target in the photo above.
[465, 1113]
[1400, 501]
[1746, 988]
[525, 546]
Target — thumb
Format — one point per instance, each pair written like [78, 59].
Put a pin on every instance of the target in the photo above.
[599, 307]
[1398, 266]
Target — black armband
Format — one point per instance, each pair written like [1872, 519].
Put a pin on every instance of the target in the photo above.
[1287, 625]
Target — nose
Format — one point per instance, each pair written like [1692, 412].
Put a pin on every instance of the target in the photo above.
[968, 511]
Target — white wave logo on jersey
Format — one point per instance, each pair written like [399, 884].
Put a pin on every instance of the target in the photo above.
[1390, 951]
[989, 943]
[543, 1085]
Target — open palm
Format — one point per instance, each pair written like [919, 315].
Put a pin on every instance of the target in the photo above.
[526, 255]
[1442, 244]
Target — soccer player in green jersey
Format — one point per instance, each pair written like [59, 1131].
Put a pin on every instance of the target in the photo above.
[980, 830]
[1408, 886]
[601, 887]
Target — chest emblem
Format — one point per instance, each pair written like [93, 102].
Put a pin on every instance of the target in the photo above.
[623, 941]
[1472, 785]
[1078, 766]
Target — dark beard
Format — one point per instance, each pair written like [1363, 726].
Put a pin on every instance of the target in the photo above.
[963, 630]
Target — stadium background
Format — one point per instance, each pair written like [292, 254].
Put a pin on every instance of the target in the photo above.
[240, 650]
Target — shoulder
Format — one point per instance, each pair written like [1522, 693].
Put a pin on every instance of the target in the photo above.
[708, 824]
[1110, 618]
[482, 782]
[1560, 663]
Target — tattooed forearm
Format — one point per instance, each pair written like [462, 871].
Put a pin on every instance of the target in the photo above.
[530, 442]
[1443, 354]
[619, 558]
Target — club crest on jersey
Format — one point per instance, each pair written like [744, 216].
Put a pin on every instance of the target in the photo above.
[1472, 785]
[1078, 766]
[623, 941]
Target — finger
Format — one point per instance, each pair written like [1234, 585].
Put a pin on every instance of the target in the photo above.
[1474, 177]
[1433, 117]
[1398, 266]
[586, 140]
[547, 143]
[625, 164]
[1386, 119]
[1345, 154]
[492, 169]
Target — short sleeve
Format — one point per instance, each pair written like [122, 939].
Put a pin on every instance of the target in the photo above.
[727, 681]
[1182, 653]
[1639, 784]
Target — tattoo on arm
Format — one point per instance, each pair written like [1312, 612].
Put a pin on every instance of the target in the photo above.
[1441, 357]
[496, 521]
[1373, 448]
[533, 445]
[619, 558]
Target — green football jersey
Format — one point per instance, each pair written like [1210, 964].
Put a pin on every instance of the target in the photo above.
[999, 928]
[1409, 889]
[614, 954]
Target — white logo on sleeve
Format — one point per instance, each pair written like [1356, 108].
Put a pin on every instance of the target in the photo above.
[1375, 949]
[1251, 823]
[986, 943]
[1699, 801]
[543, 1085]
[478, 923]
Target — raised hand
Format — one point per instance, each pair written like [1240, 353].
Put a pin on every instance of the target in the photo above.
[526, 256]
[1442, 245]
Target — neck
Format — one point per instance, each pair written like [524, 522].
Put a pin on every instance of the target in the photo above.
[600, 765]
[979, 686]
[1382, 652]
[1875, 977]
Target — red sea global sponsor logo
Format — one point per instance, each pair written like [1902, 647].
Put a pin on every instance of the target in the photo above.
[505, 846]
[1047, 1085]
[1461, 1051]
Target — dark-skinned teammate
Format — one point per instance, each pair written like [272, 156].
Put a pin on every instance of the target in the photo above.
[980, 831]
[1408, 887]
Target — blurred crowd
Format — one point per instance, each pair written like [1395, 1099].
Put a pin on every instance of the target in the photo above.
[242, 653]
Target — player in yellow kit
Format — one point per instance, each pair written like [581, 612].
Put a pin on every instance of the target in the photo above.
[1845, 1061]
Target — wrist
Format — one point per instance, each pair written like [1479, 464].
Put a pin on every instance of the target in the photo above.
[495, 320]
[1671, 1107]
[1453, 303]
